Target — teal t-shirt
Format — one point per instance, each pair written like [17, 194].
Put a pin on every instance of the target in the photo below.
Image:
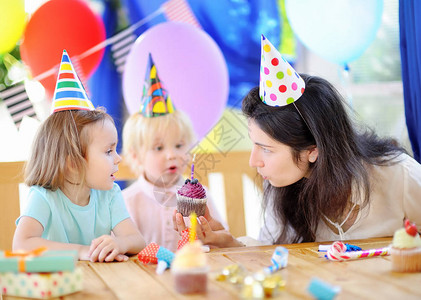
[66, 222]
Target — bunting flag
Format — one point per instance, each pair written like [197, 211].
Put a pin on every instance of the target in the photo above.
[180, 11]
[18, 103]
[122, 42]
[120, 48]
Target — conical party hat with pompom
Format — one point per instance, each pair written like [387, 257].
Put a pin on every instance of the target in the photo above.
[280, 84]
[155, 99]
[69, 93]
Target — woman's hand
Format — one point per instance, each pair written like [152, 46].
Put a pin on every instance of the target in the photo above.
[214, 224]
[215, 238]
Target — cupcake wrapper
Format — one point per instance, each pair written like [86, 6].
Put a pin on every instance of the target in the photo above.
[187, 205]
[406, 260]
[191, 281]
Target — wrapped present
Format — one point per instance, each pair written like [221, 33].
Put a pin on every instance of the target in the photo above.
[38, 260]
[41, 285]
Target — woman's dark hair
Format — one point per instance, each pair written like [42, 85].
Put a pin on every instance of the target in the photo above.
[344, 155]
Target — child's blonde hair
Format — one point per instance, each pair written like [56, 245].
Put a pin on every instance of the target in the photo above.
[139, 133]
[62, 138]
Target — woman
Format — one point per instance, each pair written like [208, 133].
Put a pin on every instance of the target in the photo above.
[324, 178]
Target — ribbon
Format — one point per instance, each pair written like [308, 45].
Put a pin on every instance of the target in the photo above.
[23, 255]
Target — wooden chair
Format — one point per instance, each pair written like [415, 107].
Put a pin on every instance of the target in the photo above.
[232, 165]
[11, 174]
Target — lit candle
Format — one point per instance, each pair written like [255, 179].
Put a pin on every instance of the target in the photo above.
[192, 166]
[193, 222]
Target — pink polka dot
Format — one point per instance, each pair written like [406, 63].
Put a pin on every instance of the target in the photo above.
[266, 71]
[294, 86]
[273, 97]
[282, 88]
[275, 61]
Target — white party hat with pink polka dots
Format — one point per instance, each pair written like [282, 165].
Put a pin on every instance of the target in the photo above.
[280, 84]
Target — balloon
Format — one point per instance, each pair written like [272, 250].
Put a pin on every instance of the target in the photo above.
[58, 25]
[191, 67]
[339, 31]
[236, 26]
[12, 23]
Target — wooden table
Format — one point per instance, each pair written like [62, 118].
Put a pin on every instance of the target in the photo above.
[369, 278]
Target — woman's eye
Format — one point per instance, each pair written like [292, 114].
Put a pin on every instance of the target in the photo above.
[159, 148]
[265, 150]
[178, 146]
[109, 151]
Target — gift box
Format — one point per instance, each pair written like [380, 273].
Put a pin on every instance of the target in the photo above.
[41, 285]
[38, 260]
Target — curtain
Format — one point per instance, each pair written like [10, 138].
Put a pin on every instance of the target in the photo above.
[410, 46]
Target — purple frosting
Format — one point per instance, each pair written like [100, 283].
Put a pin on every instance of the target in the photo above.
[192, 190]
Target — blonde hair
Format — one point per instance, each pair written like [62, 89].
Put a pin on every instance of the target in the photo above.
[139, 133]
[62, 138]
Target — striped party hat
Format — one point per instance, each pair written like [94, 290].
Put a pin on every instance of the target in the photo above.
[280, 84]
[69, 93]
[155, 99]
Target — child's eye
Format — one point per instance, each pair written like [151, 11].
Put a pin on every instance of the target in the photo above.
[159, 148]
[178, 146]
[109, 151]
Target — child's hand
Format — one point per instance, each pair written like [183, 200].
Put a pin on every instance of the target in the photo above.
[84, 253]
[105, 248]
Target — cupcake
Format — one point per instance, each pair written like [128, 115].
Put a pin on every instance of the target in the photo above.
[191, 197]
[406, 249]
[190, 269]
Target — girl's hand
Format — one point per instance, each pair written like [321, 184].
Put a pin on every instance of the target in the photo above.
[105, 249]
[84, 253]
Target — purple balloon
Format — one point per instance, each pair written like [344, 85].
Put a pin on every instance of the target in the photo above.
[191, 67]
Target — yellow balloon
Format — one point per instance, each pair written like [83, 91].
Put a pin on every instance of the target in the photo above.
[12, 23]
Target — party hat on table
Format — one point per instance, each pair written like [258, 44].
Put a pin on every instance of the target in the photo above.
[155, 99]
[189, 234]
[152, 253]
[69, 93]
[279, 84]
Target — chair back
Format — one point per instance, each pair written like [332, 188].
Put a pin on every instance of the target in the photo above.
[11, 175]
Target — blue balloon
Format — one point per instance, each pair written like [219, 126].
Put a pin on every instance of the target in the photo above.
[236, 26]
[339, 31]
